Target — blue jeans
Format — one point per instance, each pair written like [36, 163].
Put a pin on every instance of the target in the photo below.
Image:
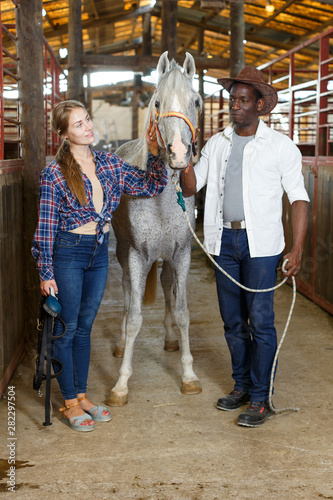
[80, 271]
[248, 317]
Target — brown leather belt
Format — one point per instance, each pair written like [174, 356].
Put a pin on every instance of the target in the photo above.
[235, 224]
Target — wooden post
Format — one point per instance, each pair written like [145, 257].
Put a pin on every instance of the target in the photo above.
[88, 97]
[29, 23]
[135, 106]
[74, 81]
[237, 34]
[201, 92]
[200, 196]
[169, 28]
[146, 42]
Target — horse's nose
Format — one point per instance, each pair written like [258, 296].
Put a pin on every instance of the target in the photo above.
[169, 149]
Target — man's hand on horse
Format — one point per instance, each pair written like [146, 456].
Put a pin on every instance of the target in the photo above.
[152, 140]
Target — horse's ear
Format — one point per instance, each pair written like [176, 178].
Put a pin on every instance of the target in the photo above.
[189, 66]
[163, 65]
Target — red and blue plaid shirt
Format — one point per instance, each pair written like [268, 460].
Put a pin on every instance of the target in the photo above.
[60, 210]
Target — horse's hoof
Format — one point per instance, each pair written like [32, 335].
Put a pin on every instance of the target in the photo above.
[117, 399]
[119, 352]
[192, 387]
[171, 345]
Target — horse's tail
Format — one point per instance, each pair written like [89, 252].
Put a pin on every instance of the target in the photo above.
[151, 285]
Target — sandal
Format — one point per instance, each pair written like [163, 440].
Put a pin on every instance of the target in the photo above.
[97, 417]
[75, 423]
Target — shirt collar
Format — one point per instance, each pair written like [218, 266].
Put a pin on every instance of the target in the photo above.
[262, 130]
[96, 156]
[93, 152]
[228, 131]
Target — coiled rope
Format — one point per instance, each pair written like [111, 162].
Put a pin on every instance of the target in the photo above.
[181, 202]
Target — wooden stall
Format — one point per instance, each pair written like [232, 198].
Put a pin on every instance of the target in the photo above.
[11, 269]
[11, 211]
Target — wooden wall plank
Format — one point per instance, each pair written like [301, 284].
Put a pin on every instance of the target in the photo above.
[11, 273]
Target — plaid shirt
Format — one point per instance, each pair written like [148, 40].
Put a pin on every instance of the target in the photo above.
[60, 210]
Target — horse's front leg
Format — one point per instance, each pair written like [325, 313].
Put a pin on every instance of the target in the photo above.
[120, 346]
[138, 272]
[170, 341]
[191, 383]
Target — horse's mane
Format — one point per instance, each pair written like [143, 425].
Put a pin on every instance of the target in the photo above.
[135, 152]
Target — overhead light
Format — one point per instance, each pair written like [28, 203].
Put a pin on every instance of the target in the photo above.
[269, 7]
[209, 56]
[44, 12]
[244, 41]
[63, 52]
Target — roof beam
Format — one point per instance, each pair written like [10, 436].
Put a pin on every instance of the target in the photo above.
[223, 28]
[95, 23]
[206, 25]
[121, 46]
[142, 63]
[272, 17]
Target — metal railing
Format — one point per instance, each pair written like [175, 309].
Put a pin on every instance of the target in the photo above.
[54, 80]
[9, 110]
[304, 79]
[54, 91]
[305, 89]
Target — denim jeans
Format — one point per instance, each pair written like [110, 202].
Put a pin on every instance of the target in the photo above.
[80, 271]
[248, 317]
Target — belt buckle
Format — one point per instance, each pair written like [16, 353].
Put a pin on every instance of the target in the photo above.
[236, 224]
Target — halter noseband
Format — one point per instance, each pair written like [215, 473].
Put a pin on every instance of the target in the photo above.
[176, 114]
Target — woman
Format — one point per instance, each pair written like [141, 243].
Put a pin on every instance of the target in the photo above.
[77, 194]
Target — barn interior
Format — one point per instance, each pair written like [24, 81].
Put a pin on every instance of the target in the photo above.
[163, 444]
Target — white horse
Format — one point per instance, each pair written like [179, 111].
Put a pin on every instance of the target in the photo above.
[150, 228]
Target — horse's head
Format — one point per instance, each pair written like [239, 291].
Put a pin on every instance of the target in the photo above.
[175, 108]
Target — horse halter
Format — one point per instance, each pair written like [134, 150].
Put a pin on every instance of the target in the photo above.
[176, 114]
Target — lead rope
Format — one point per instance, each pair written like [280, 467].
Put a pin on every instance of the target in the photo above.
[181, 202]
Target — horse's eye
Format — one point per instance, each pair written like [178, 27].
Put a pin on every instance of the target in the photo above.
[157, 104]
[197, 102]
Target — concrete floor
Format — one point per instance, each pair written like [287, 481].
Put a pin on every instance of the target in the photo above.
[167, 446]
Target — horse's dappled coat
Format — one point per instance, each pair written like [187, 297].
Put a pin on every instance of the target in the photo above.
[147, 229]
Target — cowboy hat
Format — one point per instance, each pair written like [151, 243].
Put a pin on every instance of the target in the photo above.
[252, 76]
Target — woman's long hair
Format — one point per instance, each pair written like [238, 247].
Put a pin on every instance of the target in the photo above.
[70, 168]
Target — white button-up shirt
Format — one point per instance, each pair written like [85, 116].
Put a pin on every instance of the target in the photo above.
[272, 164]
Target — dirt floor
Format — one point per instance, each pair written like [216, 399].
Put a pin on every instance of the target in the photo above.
[167, 446]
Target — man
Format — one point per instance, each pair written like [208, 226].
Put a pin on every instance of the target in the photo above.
[246, 168]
